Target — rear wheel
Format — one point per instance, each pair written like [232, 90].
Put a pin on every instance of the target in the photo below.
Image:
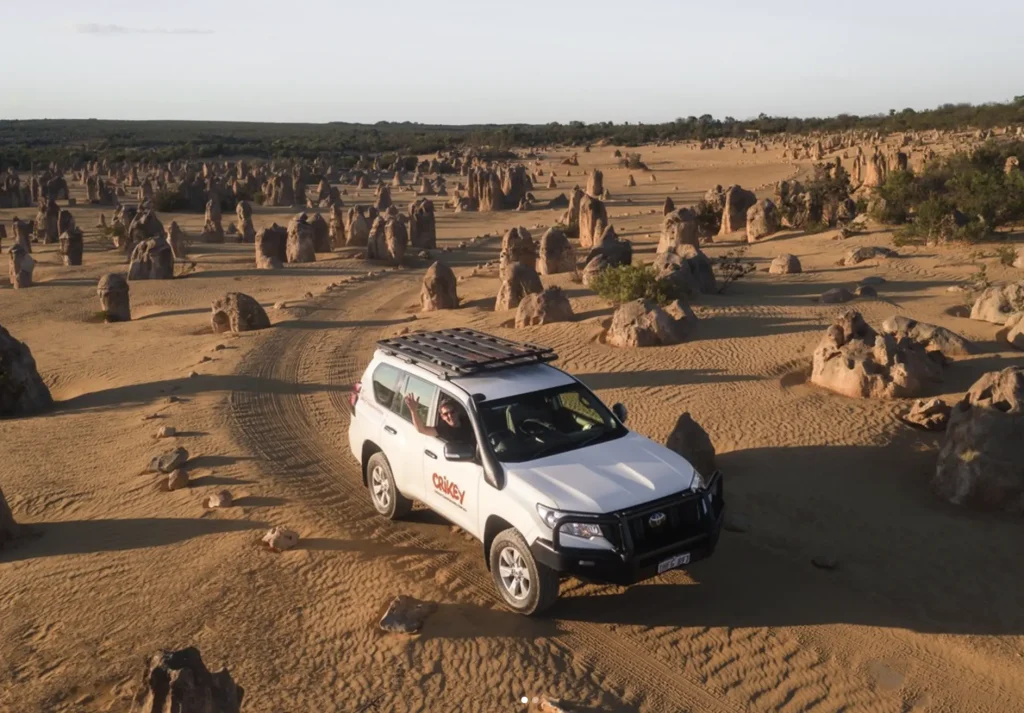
[527, 586]
[383, 492]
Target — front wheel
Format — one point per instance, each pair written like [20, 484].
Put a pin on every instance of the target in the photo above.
[383, 492]
[527, 586]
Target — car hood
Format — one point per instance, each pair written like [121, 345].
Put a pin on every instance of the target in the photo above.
[607, 476]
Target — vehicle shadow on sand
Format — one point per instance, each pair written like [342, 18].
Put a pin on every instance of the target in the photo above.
[906, 559]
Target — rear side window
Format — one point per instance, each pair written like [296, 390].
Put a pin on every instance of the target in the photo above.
[385, 385]
[424, 393]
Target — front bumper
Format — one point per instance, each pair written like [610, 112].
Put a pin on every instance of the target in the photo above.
[631, 562]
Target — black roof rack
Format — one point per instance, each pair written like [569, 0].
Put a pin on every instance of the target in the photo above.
[463, 352]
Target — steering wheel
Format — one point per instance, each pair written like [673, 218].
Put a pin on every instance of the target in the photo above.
[534, 427]
[499, 440]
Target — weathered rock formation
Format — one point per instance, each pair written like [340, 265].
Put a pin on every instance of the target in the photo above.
[179, 682]
[762, 220]
[518, 281]
[22, 391]
[556, 253]
[678, 228]
[439, 290]
[237, 312]
[981, 462]
[593, 218]
[853, 360]
[271, 247]
[643, 323]
[517, 247]
[734, 213]
[112, 289]
[785, 264]
[422, 226]
[152, 260]
[550, 305]
[299, 246]
[71, 246]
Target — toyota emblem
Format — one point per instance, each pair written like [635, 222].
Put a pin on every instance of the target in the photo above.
[656, 520]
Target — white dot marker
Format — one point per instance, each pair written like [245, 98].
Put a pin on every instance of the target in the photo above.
[524, 699]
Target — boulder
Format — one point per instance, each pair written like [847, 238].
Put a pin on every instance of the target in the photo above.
[112, 289]
[996, 304]
[439, 289]
[928, 336]
[854, 256]
[557, 254]
[545, 307]
[71, 246]
[642, 323]
[22, 391]
[337, 227]
[169, 462]
[179, 682]
[981, 461]
[678, 228]
[693, 443]
[517, 247]
[836, 295]
[237, 312]
[853, 360]
[383, 198]
[595, 183]
[271, 247]
[593, 217]
[929, 414]
[21, 265]
[299, 245]
[763, 219]
[152, 260]
[519, 280]
[734, 212]
[785, 264]
[687, 271]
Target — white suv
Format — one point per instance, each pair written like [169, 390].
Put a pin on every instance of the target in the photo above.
[545, 475]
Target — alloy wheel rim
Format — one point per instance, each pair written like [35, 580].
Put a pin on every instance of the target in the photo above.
[514, 574]
[381, 488]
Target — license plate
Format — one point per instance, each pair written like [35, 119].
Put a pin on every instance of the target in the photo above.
[673, 562]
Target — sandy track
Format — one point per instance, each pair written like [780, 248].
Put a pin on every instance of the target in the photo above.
[665, 661]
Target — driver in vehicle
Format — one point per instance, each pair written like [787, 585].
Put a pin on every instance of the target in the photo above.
[452, 424]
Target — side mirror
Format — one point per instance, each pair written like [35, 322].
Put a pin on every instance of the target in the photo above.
[460, 452]
[620, 412]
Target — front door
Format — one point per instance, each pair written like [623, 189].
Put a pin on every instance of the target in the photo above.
[405, 443]
[452, 487]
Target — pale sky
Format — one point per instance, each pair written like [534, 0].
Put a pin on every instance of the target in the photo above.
[475, 61]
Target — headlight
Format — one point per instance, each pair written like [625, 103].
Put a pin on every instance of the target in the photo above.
[576, 529]
[698, 482]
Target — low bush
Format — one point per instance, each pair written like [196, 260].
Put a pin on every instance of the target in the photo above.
[631, 282]
[632, 160]
[168, 200]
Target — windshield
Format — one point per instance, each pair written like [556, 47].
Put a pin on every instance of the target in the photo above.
[541, 423]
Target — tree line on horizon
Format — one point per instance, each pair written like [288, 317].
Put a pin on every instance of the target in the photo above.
[34, 143]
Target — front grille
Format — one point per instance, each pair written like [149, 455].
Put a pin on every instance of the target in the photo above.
[682, 520]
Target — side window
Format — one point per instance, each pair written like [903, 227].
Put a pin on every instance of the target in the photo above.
[385, 385]
[424, 393]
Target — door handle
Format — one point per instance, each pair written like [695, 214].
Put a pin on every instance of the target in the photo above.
[390, 430]
[431, 454]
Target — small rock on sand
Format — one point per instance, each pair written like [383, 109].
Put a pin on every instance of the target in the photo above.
[177, 479]
[166, 432]
[279, 539]
[405, 615]
[222, 499]
[168, 461]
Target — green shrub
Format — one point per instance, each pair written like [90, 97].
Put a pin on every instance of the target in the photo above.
[631, 282]
[895, 198]
[1006, 254]
[167, 200]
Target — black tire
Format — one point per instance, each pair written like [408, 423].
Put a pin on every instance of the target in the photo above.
[537, 582]
[384, 493]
